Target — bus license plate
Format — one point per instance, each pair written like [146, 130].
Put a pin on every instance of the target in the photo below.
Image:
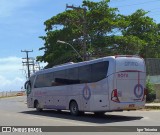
[131, 106]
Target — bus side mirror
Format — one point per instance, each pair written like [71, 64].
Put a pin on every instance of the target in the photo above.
[26, 84]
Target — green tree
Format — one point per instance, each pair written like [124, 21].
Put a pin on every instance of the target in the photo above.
[143, 27]
[108, 33]
[101, 21]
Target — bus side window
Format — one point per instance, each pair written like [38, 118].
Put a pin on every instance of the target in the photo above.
[85, 74]
[59, 78]
[47, 80]
[72, 76]
[99, 71]
[32, 80]
[39, 81]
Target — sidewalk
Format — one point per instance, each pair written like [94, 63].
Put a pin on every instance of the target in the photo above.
[152, 105]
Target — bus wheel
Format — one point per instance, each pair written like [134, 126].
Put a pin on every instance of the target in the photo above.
[38, 106]
[74, 108]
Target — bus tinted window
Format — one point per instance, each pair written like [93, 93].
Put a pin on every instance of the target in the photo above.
[99, 71]
[48, 78]
[39, 81]
[32, 80]
[72, 76]
[44, 80]
[59, 78]
[85, 74]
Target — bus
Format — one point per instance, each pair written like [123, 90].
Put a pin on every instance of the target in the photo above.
[113, 83]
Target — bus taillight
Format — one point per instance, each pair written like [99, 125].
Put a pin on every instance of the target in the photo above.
[114, 95]
[144, 94]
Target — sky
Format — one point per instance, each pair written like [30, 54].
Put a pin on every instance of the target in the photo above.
[22, 22]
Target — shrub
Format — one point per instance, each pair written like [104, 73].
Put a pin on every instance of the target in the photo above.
[151, 94]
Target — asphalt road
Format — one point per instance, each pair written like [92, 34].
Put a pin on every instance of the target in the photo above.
[14, 112]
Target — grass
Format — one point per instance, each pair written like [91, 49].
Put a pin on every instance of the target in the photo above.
[153, 107]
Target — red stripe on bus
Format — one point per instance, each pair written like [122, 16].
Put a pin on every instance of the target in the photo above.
[138, 80]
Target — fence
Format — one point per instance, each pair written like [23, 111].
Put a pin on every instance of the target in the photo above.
[153, 73]
[153, 66]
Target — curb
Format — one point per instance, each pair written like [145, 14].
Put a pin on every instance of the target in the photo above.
[157, 107]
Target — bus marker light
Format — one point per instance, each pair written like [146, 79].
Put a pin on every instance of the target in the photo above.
[144, 94]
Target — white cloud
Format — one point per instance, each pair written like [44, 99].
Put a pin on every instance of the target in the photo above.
[11, 77]
[11, 85]
[10, 64]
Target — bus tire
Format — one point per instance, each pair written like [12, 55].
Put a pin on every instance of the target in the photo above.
[37, 106]
[73, 107]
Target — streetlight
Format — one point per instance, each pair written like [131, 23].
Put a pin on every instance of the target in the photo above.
[63, 42]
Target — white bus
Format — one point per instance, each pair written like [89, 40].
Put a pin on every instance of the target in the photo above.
[113, 83]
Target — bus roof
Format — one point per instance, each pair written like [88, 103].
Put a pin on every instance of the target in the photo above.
[72, 64]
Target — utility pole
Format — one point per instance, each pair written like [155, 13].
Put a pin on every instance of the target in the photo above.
[27, 61]
[84, 23]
